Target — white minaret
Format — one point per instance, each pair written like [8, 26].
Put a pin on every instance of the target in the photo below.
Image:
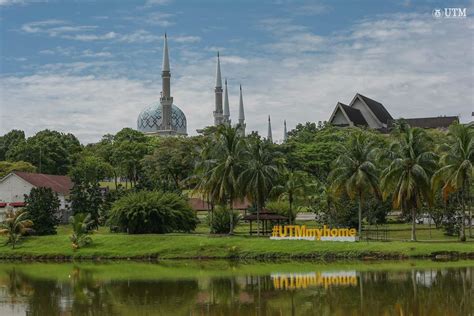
[166, 99]
[285, 132]
[269, 132]
[226, 118]
[218, 115]
[241, 113]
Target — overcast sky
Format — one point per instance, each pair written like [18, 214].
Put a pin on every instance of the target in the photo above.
[90, 67]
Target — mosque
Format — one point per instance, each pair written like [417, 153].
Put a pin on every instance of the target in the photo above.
[164, 118]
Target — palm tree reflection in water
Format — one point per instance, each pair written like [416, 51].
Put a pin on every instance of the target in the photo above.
[415, 291]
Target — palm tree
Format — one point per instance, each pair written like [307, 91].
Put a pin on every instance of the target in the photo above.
[81, 226]
[259, 175]
[295, 185]
[407, 177]
[457, 169]
[354, 173]
[220, 167]
[15, 226]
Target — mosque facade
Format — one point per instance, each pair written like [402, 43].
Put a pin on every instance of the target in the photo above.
[165, 118]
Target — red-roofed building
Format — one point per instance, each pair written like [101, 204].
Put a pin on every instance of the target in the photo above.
[16, 184]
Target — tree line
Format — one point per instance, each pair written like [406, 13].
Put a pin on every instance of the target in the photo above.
[344, 175]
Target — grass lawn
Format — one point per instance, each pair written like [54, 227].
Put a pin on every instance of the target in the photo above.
[202, 245]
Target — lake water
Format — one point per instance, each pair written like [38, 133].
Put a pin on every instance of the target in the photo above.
[229, 288]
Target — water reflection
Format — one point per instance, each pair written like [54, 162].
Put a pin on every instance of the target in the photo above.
[197, 290]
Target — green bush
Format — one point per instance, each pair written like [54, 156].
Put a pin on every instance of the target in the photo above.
[42, 205]
[156, 212]
[219, 220]
[281, 208]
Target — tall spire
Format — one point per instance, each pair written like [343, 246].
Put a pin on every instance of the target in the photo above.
[218, 72]
[166, 99]
[241, 113]
[226, 105]
[285, 132]
[241, 108]
[218, 118]
[166, 58]
[269, 133]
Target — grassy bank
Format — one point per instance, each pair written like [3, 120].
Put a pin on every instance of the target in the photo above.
[182, 246]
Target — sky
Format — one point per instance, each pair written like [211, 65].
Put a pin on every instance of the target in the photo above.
[88, 67]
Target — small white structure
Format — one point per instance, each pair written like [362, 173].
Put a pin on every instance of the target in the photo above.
[15, 185]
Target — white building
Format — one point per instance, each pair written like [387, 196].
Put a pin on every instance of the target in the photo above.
[16, 184]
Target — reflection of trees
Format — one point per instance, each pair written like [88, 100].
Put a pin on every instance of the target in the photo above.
[423, 292]
[90, 297]
[164, 295]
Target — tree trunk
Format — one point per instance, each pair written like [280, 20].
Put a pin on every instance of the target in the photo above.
[231, 217]
[290, 200]
[413, 224]
[360, 215]
[462, 235]
[259, 206]
[469, 207]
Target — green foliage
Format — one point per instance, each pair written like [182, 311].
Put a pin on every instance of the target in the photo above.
[81, 229]
[6, 167]
[312, 149]
[110, 197]
[50, 152]
[129, 148]
[15, 225]
[295, 186]
[91, 169]
[282, 208]
[171, 163]
[407, 177]
[152, 212]
[219, 167]
[219, 220]
[354, 172]
[456, 172]
[86, 198]
[259, 174]
[42, 205]
[343, 213]
[9, 141]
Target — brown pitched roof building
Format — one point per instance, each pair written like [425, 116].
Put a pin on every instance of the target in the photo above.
[366, 112]
[59, 184]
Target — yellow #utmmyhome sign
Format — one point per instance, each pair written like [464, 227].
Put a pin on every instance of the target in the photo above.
[302, 233]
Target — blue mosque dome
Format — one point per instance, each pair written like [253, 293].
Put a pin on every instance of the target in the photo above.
[150, 119]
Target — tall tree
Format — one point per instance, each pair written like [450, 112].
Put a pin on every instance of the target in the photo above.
[293, 185]
[259, 174]
[129, 148]
[86, 196]
[42, 205]
[354, 172]
[49, 151]
[456, 170]
[407, 178]
[9, 141]
[220, 167]
[171, 163]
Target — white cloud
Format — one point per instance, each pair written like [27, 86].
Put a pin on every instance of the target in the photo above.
[18, 2]
[159, 18]
[140, 36]
[185, 39]
[157, 2]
